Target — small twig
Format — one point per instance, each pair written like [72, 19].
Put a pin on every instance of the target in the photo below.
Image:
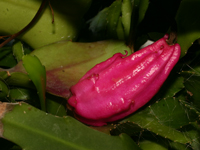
[173, 33]
[27, 26]
[52, 12]
[172, 38]
[3, 37]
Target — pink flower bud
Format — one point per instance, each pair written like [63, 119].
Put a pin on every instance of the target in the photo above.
[122, 84]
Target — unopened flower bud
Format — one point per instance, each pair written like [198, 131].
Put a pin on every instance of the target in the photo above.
[122, 84]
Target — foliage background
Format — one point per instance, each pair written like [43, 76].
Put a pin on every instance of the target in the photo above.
[169, 121]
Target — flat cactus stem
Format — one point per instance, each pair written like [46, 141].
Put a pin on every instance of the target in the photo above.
[149, 122]
[20, 122]
[4, 108]
[174, 111]
[65, 66]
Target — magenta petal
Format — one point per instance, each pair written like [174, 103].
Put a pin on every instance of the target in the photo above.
[122, 84]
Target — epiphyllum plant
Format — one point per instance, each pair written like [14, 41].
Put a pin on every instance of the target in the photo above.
[34, 84]
[122, 84]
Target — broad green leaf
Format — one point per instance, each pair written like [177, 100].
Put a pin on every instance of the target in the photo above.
[18, 50]
[112, 18]
[34, 129]
[68, 15]
[117, 20]
[171, 112]
[188, 24]
[37, 74]
[147, 140]
[147, 121]
[66, 62]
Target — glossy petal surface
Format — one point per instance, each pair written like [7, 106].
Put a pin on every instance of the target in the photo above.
[122, 84]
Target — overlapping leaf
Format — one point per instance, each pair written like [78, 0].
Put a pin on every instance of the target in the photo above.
[37, 74]
[66, 62]
[33, 129]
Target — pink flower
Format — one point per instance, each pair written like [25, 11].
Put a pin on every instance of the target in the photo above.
[122, 84]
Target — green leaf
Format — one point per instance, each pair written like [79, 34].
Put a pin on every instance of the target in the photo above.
[145, 138]
[24, 95]
[171, 112]
[120, 29]
[21, 94]
[33, 129]
[19, 79]
[188, 24]
[54, 105]
[112, 18]
[126, 16]
[71, 60]
[37, 74]
[18, 50]
[66, 27]
[146, 120]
